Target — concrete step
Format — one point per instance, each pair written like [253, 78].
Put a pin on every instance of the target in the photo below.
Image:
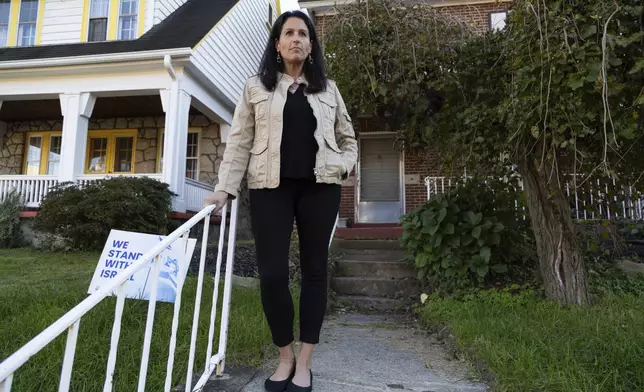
[360, 302]
[376, 287]
[371, 244]
[375, 269]
[369, 232]
[372, 254]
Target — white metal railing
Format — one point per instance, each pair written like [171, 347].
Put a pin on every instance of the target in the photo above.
[70, 322]
[31, 189]
[592, 200]
[195, 193]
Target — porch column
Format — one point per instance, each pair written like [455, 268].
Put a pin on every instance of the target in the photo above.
[176, 105]
[3, 130]
[76, 108]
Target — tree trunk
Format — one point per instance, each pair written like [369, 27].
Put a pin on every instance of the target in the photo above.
[561, 261]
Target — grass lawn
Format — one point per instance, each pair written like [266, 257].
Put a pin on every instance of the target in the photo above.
[36, 288]
[530, 344]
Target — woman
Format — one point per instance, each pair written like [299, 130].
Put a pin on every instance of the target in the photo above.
[292, 132]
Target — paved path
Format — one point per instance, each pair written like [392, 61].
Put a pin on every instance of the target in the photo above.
[359, 353]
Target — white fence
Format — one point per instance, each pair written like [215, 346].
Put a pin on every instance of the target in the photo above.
[31, 189]
[195, 193]
[591, 200]
[70, 322]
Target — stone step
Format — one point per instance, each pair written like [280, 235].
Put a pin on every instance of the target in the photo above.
[372, 254]
[376, 287]
[375, 269]
[360, 302]
[344, 244]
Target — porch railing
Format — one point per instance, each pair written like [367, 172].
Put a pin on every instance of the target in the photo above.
[31, 189]
[594, 200]
[70, 322]
[195, 192]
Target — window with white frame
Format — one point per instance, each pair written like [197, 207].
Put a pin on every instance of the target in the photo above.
[498, 20]
[5, 11]
[192, 154]
[28, 22]
[128, 17]
[98, 17]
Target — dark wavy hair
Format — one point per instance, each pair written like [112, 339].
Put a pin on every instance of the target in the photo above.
[269, 67]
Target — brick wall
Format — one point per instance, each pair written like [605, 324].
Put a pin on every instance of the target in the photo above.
[347, 200]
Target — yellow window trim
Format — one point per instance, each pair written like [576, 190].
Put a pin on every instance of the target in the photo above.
[279, 8]
[14, 18]
[160, 150]
[112, 20]
[44, 149]
[110, 135]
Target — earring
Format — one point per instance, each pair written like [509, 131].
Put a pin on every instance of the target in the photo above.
[279, 58]
[310, 59]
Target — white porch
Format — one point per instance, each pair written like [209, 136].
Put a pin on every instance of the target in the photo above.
[78, 150]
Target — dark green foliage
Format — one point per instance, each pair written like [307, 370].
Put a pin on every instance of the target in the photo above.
[469, 237]
[84, 215]
[10, 221]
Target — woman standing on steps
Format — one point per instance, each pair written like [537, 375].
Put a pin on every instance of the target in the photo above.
[292, 132]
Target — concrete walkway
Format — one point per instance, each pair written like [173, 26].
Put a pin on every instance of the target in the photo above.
[360, 353]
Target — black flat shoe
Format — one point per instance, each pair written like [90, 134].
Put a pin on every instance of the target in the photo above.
[279, 386]
[296, 388]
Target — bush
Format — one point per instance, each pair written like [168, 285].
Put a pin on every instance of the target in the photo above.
[469, 237]
[85, 215]
[10, 221]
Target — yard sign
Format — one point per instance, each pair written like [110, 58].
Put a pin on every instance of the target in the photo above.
[123, 248]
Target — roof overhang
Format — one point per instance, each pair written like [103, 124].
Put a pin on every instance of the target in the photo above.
[113, 75]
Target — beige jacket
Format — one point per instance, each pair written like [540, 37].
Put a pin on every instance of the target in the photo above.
[256, 134]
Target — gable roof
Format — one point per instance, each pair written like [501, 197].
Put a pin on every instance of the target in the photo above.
[185, 27]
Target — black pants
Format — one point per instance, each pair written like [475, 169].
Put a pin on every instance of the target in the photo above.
[314, 207]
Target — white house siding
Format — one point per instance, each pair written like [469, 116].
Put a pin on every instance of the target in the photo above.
[163, 8]
[62, 22]
[232, 51]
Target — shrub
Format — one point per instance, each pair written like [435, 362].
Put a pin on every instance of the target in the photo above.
[469, 237]
[84, 215]
[10, 221]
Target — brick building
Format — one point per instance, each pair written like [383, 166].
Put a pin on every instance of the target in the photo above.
[386, 182]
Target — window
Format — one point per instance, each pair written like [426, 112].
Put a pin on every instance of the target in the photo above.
[270, 15]
[497, 20]
[5, 11]
[112, 20]
[192, 154]
[98, 16]
[42, 156]
[110, 152]
[128, 16]
[28, 22]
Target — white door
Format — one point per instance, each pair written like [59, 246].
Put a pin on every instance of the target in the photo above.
[379, 181]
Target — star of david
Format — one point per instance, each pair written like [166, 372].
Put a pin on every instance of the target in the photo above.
[172, 263]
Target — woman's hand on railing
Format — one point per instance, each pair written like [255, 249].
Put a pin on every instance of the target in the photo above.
[217, 198]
